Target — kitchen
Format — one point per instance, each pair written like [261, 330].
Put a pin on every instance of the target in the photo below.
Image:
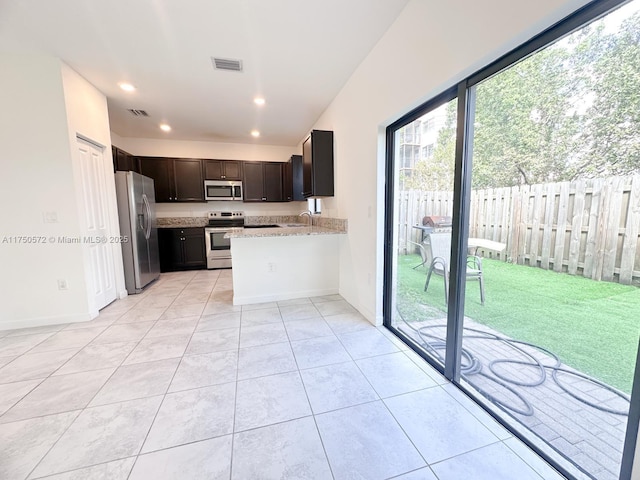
[197, 242]
[76, 106]
[351, 68]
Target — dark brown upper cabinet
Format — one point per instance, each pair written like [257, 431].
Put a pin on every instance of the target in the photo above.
[293, 189]
[160, 169]
[175, 179]
[188, 182]
[123, 161]
[317, 164]
[222, 170]
[274, 182]
[263, 182]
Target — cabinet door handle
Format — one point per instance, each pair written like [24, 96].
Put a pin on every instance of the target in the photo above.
[264, 198]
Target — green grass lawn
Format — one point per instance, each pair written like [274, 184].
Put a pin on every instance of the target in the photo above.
[591, 326]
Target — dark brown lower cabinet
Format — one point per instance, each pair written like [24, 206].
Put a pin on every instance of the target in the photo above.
[182, 249]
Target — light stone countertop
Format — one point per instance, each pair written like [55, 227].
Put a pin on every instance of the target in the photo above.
[322, 226]
[283, 231]
[181, 222]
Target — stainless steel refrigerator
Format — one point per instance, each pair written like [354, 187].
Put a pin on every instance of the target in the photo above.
[137, 213]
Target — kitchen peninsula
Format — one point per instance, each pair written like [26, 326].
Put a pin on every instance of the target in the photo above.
[282, 263]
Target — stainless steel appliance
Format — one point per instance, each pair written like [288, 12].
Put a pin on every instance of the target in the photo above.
[137, 214]
[222, 190]
[219, 248]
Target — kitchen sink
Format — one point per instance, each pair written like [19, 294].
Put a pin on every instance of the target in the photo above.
[262, 226]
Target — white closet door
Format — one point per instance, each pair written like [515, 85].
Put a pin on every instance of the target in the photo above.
[102, 287]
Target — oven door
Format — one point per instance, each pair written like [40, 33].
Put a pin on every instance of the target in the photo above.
[215, 239]
[218, 248]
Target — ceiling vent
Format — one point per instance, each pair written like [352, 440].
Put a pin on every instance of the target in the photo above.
[227, 64]
[138, 113]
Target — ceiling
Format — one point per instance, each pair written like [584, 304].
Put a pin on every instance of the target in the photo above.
[297, 54]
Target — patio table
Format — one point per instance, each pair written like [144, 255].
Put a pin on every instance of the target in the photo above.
[484, 244]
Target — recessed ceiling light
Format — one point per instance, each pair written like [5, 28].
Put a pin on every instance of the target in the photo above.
[127, 87]
[255, 133]
[258, 101]
[164, 127]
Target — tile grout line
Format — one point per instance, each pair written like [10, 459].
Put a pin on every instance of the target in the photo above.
[313, 414]
[80, 411]
[92, 398]
[44, 379]
[164, 396]
[381, 400]
[235, 398]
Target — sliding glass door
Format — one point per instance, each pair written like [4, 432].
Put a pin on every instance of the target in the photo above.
[552, 215]
[423, 168]
[512, 257]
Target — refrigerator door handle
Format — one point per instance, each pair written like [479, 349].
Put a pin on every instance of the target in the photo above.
[147, 217]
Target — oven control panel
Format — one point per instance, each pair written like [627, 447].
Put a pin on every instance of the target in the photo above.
[222, 215]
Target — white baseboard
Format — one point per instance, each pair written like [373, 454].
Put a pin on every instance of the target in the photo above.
[369, 315]
[44, 321]
[248, 300]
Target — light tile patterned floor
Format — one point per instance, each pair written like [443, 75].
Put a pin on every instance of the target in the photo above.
[178, 383]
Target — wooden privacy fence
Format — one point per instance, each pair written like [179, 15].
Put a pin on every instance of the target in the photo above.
[586, 227]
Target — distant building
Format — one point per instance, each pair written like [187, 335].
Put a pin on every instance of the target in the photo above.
[416, 142]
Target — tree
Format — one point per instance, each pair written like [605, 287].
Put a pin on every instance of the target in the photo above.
[523, 134]
[571, 110]
[612, 130]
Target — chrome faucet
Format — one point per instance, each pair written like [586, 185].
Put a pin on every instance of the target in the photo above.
[307, 213]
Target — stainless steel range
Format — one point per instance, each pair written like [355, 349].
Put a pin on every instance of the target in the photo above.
[218, 247]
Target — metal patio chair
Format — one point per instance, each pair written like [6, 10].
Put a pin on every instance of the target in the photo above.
[438, 251]
[423, 253]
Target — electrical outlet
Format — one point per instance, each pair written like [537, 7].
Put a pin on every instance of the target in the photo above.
[271, 267]
[62, 284]
[50, 217]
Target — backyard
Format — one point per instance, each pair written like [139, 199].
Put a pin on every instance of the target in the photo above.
[591, 325]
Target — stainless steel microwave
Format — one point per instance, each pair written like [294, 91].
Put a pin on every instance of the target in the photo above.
[222, 190]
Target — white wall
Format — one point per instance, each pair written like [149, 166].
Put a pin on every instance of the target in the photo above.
[191, 149]
[44, 105]
[37, 177]
[267, 269]
[87, 116]
[225, 151]
[249, 209]
[429, 47]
